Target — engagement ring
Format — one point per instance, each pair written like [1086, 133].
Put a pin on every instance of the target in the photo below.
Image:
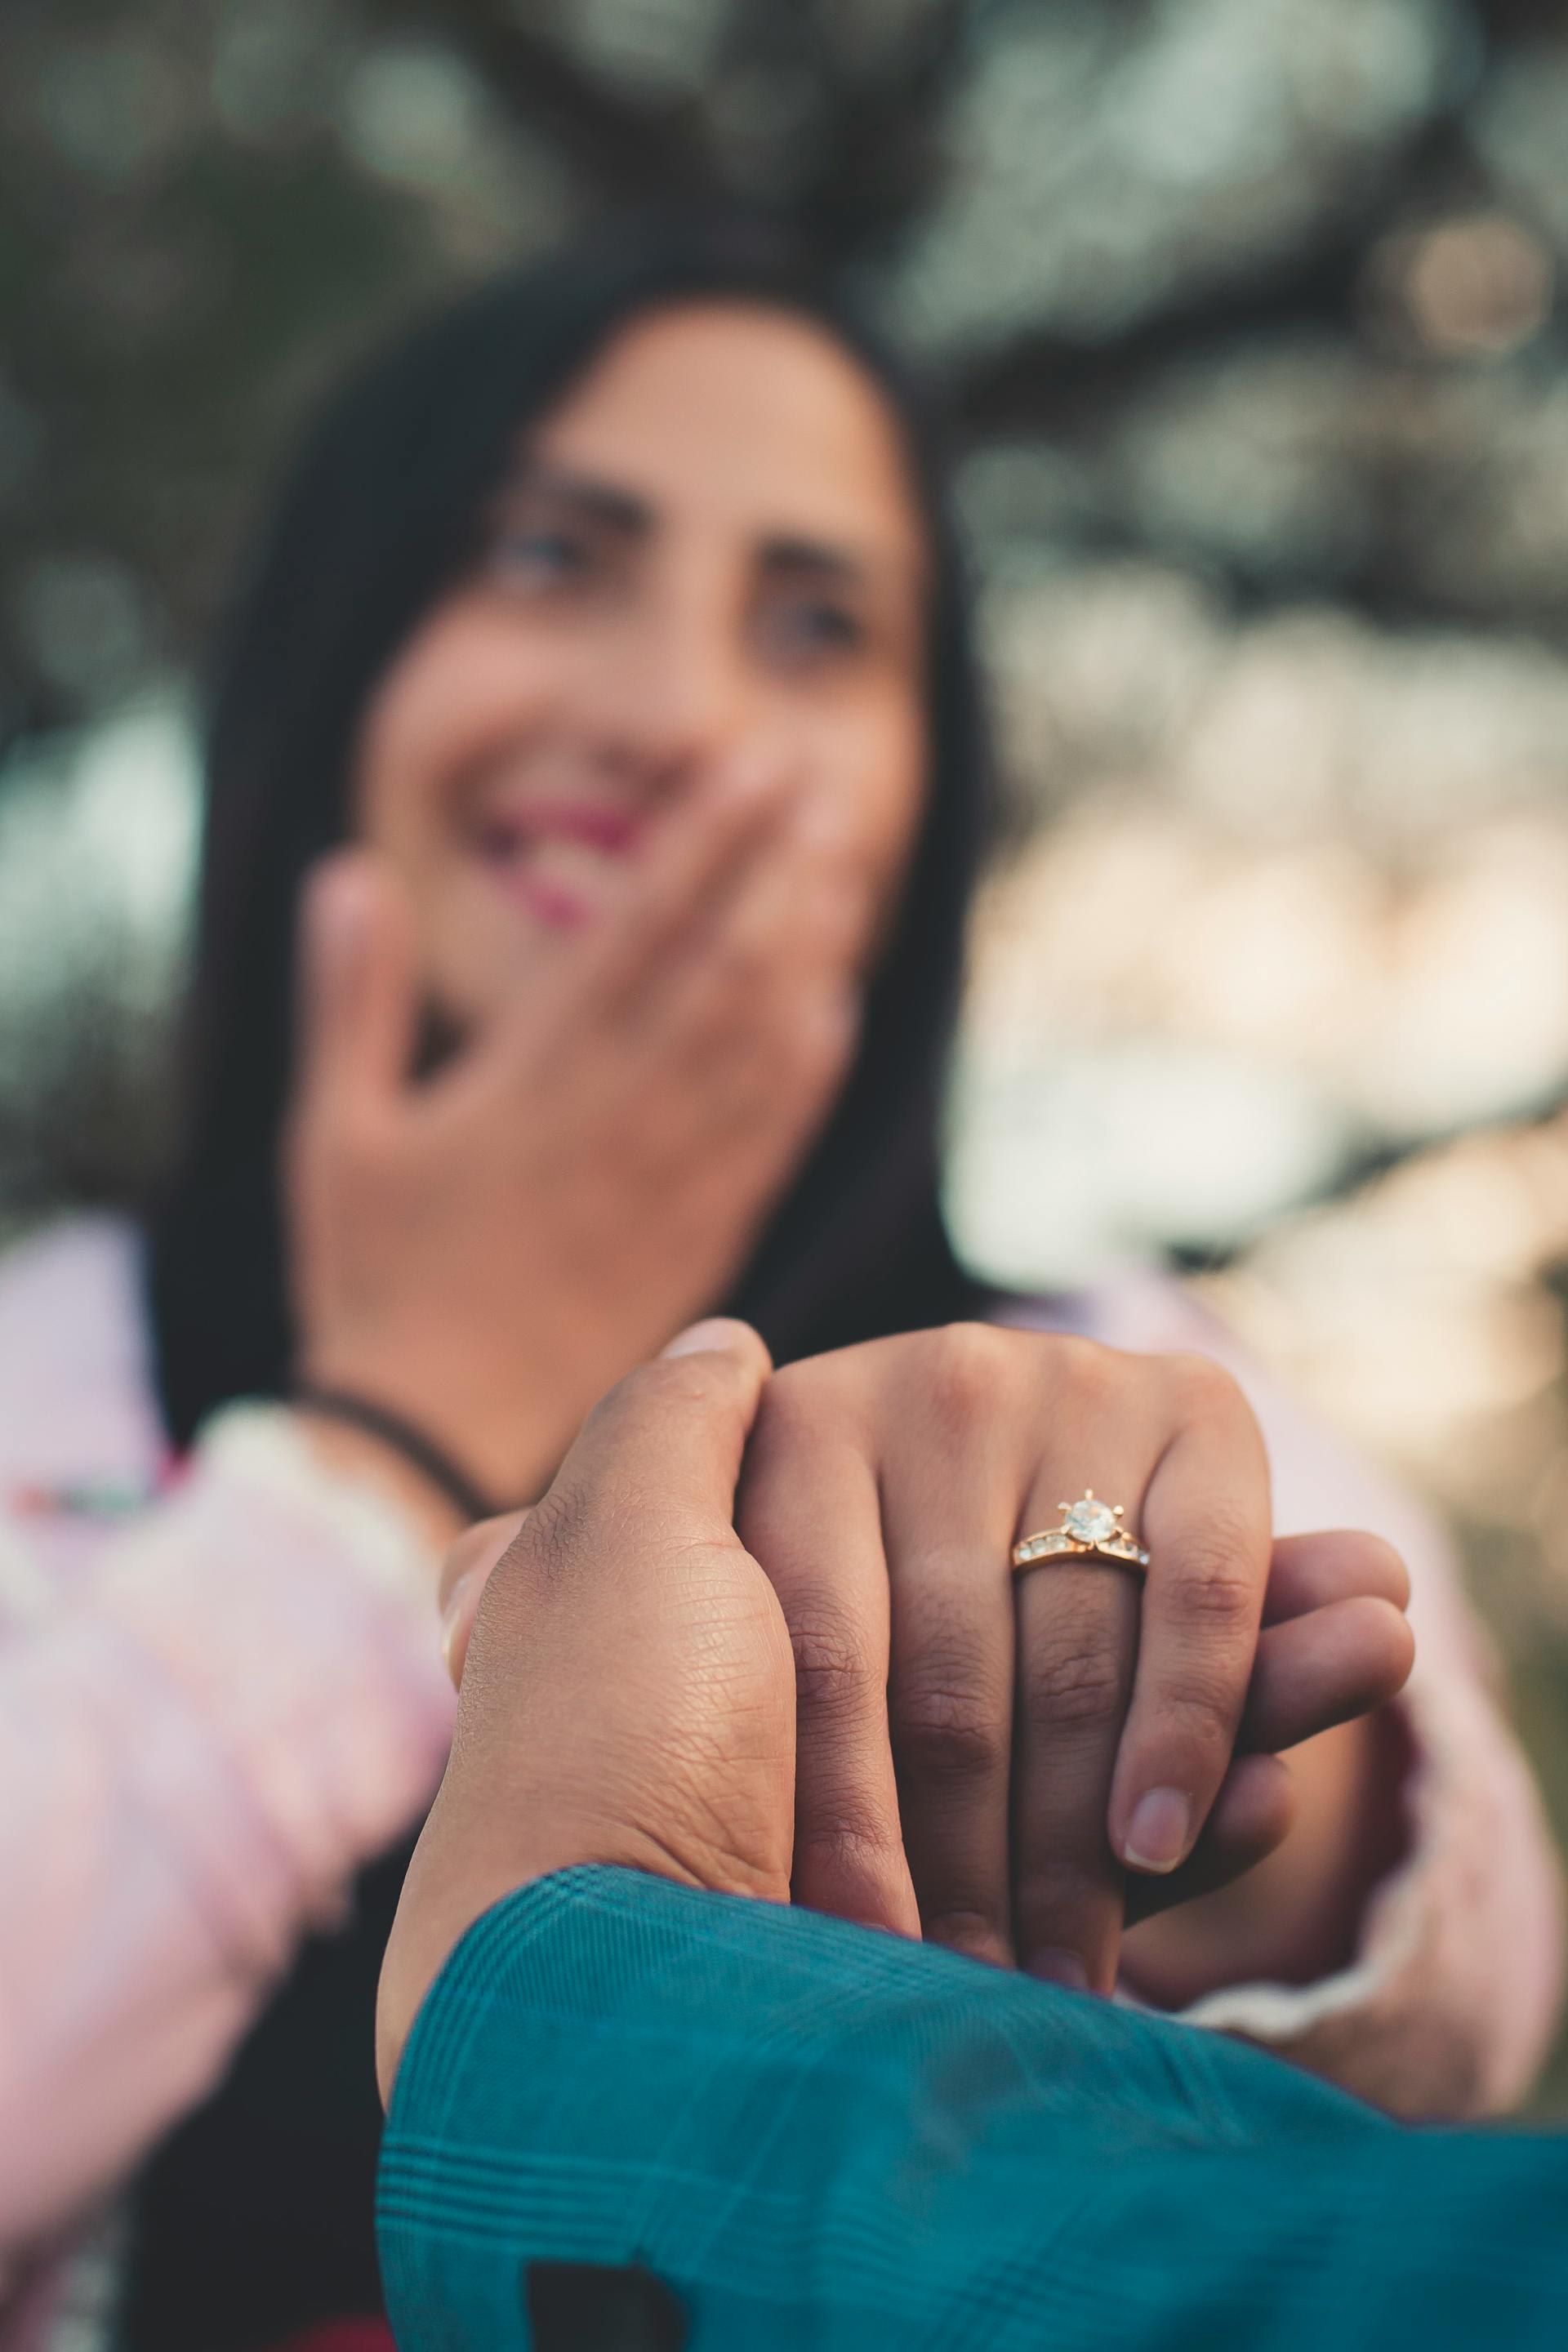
[1089, 1530]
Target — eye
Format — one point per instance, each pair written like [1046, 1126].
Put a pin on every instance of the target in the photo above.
[805, 626]
[535, 557]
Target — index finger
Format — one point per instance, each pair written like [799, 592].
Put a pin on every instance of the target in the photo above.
[1208, 1529]
[607, 968]
[356, 988]
[694, 856]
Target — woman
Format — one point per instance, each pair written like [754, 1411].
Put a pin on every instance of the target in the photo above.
[605, 679]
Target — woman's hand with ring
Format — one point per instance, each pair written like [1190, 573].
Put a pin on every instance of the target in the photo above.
[1013, 1765]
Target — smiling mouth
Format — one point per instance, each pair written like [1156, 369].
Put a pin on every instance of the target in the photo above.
[557, 861]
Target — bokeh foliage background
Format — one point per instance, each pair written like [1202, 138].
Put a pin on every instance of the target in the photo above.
[1250, 314]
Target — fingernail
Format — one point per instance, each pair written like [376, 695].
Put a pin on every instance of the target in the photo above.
[1158, 1833]
[1053, 1964]
[450, 1616]
[697, 1338]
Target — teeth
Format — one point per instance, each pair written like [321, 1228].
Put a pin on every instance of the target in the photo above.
[571, 871]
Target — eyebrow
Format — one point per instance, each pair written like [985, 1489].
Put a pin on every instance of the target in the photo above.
[631, 516]
[622, 509]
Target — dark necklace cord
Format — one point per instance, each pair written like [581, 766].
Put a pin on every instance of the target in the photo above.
[431, 1460]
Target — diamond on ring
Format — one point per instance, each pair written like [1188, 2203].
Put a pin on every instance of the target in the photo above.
[1090, 1529]
[1090, 1521]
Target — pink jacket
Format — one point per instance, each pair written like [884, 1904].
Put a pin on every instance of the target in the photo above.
[219, 1698]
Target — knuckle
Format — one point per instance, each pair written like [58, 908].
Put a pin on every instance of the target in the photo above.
[1201, 1710]
[1213, 1588]
[966, 1372]
[1203, 1388]
[799, 1405]
[834, 1680]
[964, 1927]
[1056, 1888]
[849, 1833]
[1082, 1684]
[948, 1733]
[800, 1395]
[1087, 1367]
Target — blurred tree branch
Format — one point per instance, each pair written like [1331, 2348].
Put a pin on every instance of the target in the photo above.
[186, 257]
[866, 157]
[621, 149]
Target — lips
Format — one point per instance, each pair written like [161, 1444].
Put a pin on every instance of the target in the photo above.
[556, 859]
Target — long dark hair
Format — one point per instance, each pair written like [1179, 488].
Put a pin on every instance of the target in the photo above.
[374, 520]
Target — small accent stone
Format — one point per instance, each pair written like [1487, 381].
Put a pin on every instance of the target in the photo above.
[1090, 1522]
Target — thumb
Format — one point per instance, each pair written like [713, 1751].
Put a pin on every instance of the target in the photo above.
[668, 1447]
[662, 1452]
[357, 990]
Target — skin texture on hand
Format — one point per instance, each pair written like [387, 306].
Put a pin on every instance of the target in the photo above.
[627, 1695]
[887, 1541]
[1014, 1767]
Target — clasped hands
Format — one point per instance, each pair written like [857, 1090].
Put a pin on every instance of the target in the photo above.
[760, 1636]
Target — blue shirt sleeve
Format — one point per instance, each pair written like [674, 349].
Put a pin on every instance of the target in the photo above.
[818, 2135]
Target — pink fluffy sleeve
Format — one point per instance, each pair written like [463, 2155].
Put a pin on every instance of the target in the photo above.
[237, 1703]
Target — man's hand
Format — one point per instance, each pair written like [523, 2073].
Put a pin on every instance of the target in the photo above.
[628, 1689]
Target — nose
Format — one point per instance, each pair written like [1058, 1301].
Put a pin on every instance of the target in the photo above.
[671, 689]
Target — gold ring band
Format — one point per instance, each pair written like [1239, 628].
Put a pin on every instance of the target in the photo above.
[1090, 1529]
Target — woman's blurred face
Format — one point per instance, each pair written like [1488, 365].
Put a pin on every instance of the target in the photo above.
[708, 553]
